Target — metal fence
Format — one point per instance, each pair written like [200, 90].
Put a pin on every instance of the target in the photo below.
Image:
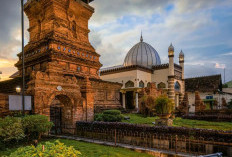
[163, 141]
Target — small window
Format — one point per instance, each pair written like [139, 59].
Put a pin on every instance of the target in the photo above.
[78, 68]
[129, 84]
[161, 85]
[141, 84]
[177, 86]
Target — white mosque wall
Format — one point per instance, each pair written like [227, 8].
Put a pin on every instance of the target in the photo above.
[123, 77]
[144, 76]
[160, 76]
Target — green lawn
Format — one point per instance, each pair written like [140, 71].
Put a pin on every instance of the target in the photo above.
[93, 150]
[179, 122]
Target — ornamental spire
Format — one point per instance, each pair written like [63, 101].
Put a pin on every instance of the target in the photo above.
[141, 38]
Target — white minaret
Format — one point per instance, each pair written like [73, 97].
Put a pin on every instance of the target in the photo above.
[171, 76]
[181, 62]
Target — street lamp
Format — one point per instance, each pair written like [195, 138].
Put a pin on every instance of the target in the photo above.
[18, 90]
[23, 72]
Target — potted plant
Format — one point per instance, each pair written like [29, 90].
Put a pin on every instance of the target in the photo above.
[164, 107]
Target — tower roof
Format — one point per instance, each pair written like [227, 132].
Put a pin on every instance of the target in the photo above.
[171, 48]
[181, 54]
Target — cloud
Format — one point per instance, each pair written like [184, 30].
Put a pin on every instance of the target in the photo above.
[227, 54]
[220, 66]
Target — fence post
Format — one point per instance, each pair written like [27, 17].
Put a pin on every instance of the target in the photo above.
[176, 145]
[115, 136]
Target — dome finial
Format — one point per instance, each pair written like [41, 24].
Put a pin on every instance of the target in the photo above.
[141, 38]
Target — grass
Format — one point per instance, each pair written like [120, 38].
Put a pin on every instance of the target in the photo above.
[179, 122]
[92, 150]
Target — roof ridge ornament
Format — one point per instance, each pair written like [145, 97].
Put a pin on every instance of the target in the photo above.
[141, 38]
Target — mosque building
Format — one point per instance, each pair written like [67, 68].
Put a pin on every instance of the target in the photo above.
[142, 66]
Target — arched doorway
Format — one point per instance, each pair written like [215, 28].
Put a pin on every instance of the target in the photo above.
[61, 114]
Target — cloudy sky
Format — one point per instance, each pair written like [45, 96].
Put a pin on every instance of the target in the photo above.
[201, 28]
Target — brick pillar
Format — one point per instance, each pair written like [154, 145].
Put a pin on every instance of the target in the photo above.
[87, 93]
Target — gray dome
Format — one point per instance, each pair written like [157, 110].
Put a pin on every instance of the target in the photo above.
[142, 54]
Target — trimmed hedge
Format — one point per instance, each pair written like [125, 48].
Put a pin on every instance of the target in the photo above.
[109, 116]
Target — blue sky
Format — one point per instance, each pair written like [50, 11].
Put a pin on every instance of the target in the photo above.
[201, 28]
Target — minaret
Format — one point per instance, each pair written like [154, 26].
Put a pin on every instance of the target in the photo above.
[181, 62]
[171, 76]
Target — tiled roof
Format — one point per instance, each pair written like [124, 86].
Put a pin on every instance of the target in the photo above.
[9, 86]
[203, 84]
[118, 69]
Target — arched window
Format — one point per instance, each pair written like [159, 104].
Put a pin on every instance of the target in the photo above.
[161, 85]
[129, 84]
[177, 86]
[148, 84]
[141, 84]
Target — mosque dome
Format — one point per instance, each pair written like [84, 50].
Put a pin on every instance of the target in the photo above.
[142, 54]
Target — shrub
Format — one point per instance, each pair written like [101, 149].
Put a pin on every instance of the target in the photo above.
[147, 105]
[36, 125]
[50, 149]
[164, 105]
[112, 112]
[98, 117]
[230, 104]
[11, 129]
[112, 116]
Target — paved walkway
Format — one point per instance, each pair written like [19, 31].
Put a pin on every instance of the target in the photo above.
[155, 152]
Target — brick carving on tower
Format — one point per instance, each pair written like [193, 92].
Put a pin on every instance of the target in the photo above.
[62, 64]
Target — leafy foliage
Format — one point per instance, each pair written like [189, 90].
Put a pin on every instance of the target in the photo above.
[98, 117]
[91, 150]
[56, 149]
[15, 129]
[112, 112]
[163, 105]
[112, 116]
[11, 129]
[230, 104]
[147, 105]
[36, 125]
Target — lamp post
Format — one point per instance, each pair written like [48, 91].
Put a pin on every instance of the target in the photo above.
[23, 71]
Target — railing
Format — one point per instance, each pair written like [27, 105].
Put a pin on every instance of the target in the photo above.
[179, 140]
